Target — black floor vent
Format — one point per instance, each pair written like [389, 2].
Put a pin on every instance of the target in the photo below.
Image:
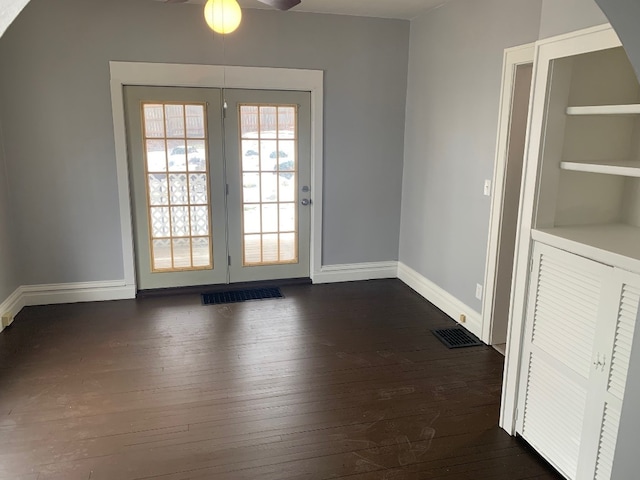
[235, 296]
[456, 338]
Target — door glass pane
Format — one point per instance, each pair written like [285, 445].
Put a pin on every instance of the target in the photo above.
[288, 246]
[162, 253]
[178, 203]
[250, 156]
[252, 249]
[270, 248]
[251, 187]
[158, 190]
[156, 156]
[268, 121]
[269, 184]
[251, 219]
[153, 121]
[174, 115]
[196, 156]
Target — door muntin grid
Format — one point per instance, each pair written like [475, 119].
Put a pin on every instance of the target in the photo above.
[269, 176]
[177, 185]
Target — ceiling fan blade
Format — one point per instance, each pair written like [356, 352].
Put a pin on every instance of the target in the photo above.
[281, 4]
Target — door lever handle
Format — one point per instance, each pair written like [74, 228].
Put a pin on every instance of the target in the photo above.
[600, 363]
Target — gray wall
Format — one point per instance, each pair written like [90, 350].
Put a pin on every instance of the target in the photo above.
[8, 276]
[54, 86]
[455, 65]
[563, 16]
[624, 15]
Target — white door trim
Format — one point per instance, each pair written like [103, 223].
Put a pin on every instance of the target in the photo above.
[513, 57]
[183, 75]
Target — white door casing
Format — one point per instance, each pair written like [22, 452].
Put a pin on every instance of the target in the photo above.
[260, 78]
[513, 58]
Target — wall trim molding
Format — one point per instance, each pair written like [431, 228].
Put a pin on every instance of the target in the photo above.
[441, 298]
[76, 292]
[12, 304]
[55, 293]
[351, 272]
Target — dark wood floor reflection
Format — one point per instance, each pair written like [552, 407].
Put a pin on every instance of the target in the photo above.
[333, 381]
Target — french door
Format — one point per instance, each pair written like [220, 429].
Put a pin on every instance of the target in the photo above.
[220, 184]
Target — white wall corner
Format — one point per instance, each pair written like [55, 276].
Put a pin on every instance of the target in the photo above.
[352, 272]
[441, 299]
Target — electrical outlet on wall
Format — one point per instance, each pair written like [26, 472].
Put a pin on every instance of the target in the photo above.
[478, 291]
[6, 319]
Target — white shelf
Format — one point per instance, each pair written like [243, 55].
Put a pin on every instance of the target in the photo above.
[624, 168]
[614, 244]
[632, 109]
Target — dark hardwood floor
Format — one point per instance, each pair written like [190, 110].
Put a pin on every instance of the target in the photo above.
[333, 381]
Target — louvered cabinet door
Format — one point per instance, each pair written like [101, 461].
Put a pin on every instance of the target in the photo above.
[611, 364]
[560, 332]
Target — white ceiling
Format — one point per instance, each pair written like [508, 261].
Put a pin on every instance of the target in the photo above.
[403, 9]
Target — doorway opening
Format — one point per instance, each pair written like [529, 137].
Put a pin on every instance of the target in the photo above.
[512, 137]
[215, 176]
[213, 76]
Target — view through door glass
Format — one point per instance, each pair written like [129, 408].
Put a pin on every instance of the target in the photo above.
[269, 171]
[200, 219]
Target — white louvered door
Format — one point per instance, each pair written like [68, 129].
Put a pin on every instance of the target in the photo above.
[611, 363]
[562, 316]
[580, 321]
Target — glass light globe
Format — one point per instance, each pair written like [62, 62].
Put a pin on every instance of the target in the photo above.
[222, 16]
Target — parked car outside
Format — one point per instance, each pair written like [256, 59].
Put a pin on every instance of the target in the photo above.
[285, 168]
[177, 158]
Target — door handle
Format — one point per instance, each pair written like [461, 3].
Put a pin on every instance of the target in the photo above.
[600, 363]
[305, 201]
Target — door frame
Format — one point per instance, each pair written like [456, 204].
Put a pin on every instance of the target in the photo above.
[513, 58]
[214, 76]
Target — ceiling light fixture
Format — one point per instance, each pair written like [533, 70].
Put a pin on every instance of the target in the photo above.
[222, 16]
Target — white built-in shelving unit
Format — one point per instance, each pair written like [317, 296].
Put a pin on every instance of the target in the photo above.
[577, 280]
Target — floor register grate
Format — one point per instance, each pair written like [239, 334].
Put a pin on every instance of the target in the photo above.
[456, 338]
[235, 296]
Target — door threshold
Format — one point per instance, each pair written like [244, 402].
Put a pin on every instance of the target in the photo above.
[198, 289]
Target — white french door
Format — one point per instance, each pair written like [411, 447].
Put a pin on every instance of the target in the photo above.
[219, 194]
[269, 195]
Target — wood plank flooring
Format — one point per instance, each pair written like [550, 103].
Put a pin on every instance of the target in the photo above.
[333, 381]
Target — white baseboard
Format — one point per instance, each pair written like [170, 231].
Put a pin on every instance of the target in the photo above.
[77, 292]
[441, 299]
[28, 295]
[12, 305]
[352, 272]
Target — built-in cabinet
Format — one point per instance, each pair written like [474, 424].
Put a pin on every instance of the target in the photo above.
[578, 268]
[579, 329]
